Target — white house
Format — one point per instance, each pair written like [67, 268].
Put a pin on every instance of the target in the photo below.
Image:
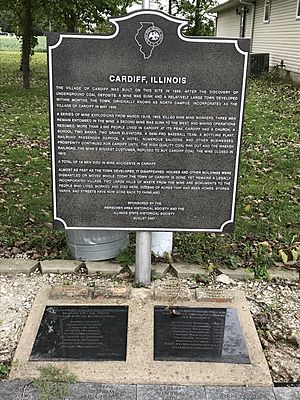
[273, 26]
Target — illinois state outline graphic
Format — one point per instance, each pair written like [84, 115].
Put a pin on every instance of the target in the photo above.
[148, 37]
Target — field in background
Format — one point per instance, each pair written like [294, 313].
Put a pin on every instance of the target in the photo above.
[8, 43]
[267, 225]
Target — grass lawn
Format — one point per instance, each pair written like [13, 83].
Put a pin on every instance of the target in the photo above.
[25, 198]
[267, 225]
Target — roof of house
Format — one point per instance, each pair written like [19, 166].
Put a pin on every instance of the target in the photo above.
[229, 4]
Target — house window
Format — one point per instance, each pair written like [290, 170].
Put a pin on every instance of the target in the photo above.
[267, 11]
[298, 10]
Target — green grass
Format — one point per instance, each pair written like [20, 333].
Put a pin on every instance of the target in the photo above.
[25, 198]
[270, 167]
[269, 187]
[8, 43]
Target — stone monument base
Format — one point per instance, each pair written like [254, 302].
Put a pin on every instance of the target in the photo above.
[152, 351]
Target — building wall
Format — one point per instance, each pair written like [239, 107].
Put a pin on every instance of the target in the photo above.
[249, 16]
[228, 24]
[281, 36]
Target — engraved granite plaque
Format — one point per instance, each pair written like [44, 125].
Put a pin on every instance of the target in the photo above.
[146, 126]
[168, 392]
[198, 334]
[83, 333]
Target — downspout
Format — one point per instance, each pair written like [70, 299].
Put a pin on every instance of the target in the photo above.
[252, 4]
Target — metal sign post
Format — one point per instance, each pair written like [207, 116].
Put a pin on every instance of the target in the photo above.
[143, 239]
[146, 4]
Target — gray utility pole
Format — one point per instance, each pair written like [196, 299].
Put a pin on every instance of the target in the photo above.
[146, 4]
[143, 239]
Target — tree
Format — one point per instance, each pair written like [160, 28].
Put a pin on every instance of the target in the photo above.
[71, 16]
[196, 12]
[82, 15]
[7, 21]
[22, 12]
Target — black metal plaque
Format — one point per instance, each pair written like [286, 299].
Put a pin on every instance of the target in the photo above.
[198, 334]
[146, 126]
[83, 333]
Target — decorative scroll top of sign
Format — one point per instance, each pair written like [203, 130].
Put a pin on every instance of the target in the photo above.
[148, 36]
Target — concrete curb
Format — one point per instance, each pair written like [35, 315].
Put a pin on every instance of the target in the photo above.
[18, 266]
[18, 390]
[108, 268]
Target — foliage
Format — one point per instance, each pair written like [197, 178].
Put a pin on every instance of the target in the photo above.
[53, 382]
[64, 15]
[195, 11]
[263, 260]
[81, 15]
[7, 21]
[269, 187]
[4, 370]
[24, 13]
[126, 257]
[25, 197]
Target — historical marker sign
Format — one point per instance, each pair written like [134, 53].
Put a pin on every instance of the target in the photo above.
[83, 333]
[146, 126]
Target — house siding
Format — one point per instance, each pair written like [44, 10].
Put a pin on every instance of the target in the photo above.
[228, 24]
[249, 16]
[281, 36]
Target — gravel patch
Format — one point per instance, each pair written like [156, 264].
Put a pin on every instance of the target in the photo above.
[274, 306]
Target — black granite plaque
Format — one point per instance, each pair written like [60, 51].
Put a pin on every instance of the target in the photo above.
[146, 126]
[83, 333]
[198, 334]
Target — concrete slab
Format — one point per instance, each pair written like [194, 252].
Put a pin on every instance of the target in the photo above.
[120, 292]
[21, 390]
[215, 295]
[59, 266]
[104, 268]
[69, 292]
[172, 294]
[163, 392]
[186, 270]
[18, 266]
[140, 367]
[16, 390]
[160, 269]
[236, 393]
[239, 274]
[90, 391]
[283, 273]
[282, 393]
[24, 390]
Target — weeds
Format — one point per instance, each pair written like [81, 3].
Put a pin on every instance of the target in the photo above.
[4, 370]
[126, 257]
[53, 382]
